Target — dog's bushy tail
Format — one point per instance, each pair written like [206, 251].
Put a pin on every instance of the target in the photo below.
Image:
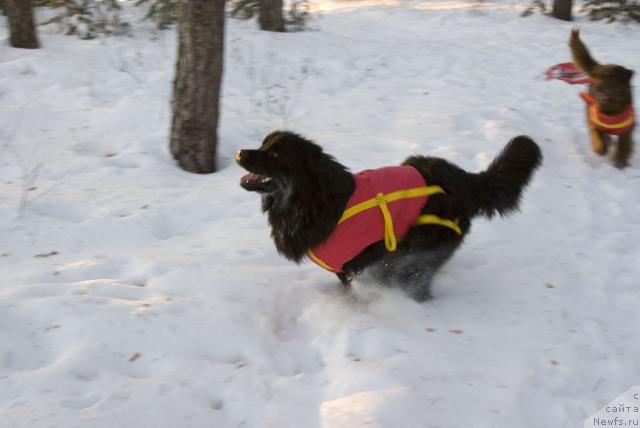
[498, 189]
[580, 54]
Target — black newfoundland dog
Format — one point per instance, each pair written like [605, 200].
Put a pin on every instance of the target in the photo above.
[400, 223]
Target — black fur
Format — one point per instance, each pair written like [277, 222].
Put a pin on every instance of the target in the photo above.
[304, 191]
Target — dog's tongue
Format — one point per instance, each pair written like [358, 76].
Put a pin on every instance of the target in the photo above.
[254, 178]
[249, 178]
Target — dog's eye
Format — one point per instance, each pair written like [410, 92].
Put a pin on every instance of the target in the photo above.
[274, 154]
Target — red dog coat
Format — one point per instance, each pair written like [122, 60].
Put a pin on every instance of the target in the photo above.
[619, 124]
[384, 205]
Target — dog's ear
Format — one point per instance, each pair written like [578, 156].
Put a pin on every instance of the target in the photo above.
[628, 74]
[329, 173]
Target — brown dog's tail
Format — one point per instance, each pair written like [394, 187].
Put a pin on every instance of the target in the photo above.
[498, 189]
[581, 56]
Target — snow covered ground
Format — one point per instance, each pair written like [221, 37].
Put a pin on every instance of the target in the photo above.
[134, 294]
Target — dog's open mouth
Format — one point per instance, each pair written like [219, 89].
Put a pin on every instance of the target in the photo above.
[256, 183]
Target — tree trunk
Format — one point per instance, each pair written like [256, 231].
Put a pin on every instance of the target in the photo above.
[21, 26]
[196, 88]
[562, 9]
[271, 15]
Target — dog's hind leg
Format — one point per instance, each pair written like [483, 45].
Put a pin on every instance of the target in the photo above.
[623, 150]
[413, 269]
[417, 282]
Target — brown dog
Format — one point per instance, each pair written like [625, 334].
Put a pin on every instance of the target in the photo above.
[609, 103]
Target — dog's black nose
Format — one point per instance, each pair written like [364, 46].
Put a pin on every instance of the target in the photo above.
[241, 154]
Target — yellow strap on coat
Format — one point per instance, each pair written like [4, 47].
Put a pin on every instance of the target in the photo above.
[389, 235]
[416, 192]
[593, 115]
[381, 200]
[434, 219]
[316, 259]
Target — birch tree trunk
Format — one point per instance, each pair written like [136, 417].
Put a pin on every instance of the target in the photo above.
[196, 88]
[271, 15]
[21, 24]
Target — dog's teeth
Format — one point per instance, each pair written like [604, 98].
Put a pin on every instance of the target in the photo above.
[265, 180]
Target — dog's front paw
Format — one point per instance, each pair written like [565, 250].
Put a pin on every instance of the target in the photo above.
[345, 279]
[599, 147]
[620, 163]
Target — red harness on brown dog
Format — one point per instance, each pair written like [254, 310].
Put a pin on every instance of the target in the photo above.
[619, 124]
